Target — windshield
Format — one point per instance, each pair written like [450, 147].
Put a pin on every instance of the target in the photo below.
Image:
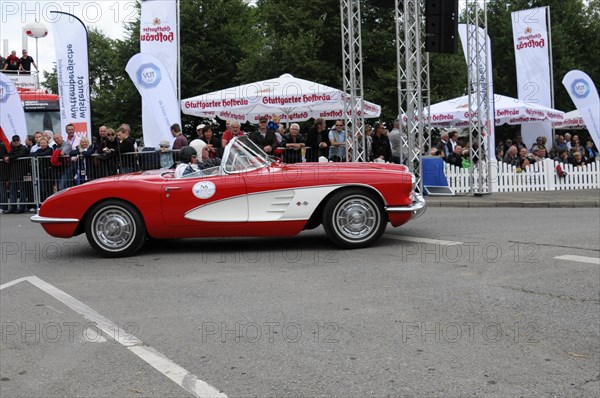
[42, 120]
[242, 155]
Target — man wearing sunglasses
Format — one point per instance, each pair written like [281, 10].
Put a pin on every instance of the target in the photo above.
[337, 138]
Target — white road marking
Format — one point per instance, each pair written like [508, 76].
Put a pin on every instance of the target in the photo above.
[423, 240]
[580, 259]
[12, 283]
[158, 361]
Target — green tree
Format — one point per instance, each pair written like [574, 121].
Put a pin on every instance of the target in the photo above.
[302, 39]
[575, 29]
[114, 98]
[214, 37]
[225, 43]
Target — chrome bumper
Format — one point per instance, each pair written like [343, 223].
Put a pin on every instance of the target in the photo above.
[50, 220]
[417, 207]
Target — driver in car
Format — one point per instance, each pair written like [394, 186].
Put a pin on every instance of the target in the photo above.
[206, 162]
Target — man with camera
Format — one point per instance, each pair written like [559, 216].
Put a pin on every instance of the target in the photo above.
[525, 158]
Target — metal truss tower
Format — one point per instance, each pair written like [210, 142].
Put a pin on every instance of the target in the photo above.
[481, 96]
[413, 80]
[353, 79]
[413, 84]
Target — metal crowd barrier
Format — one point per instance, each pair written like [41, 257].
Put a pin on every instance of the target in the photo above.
[26, 182]
[17, 191]
[293, 155]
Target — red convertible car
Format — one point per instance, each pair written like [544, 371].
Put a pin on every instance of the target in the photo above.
[249, 195]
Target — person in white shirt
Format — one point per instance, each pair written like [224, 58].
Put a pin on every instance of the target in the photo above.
[36, 138]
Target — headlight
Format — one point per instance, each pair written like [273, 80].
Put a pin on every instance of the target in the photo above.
[414, 181]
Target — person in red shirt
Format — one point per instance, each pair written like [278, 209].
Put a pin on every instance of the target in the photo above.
[234, 131]
[12, 62]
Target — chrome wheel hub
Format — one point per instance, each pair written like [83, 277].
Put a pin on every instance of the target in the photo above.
[356, 218]
[114, 229]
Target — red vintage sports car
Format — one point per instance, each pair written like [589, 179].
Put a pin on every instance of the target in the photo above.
[248, 195]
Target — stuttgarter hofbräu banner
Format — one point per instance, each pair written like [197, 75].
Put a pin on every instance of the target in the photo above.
[292, 98]
[158, 37]
[70, 42]
[154, 84]
[12, 115]
[477, 69]
[532, 59]
[584, 94]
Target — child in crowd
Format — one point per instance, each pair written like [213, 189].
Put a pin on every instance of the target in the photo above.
[274, 123]
[166, 155]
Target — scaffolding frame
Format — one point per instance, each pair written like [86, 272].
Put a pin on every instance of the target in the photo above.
[480, 93]
[413, 84]
[353, 80]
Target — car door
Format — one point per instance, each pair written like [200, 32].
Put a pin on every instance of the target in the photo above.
[188, 202]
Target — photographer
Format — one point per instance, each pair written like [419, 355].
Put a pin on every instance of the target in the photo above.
[525, 158]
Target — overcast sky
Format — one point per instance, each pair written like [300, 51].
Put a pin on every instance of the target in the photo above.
[107, 15]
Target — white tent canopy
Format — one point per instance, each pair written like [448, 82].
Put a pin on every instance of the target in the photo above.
[292, 98]
[455, 112]
[573, 120]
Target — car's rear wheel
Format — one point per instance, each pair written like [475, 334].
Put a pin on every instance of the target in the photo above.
[354, 218]
[115, 229]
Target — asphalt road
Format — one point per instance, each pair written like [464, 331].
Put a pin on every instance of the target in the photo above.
[486, 310]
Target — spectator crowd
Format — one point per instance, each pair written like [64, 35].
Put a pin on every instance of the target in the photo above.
[67, 160]
[567, 149]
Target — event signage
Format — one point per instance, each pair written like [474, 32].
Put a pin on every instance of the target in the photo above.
[292, 99]
[584, 94]
[455, 112]
[154, 84]
[532, 59]
[158, 37]
[71, 47]
[236, 103]
[12, 118]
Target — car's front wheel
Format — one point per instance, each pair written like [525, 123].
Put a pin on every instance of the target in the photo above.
[354, 218]
[115, 229]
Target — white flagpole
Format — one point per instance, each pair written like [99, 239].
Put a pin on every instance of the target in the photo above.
[551, 66]
[551, 61]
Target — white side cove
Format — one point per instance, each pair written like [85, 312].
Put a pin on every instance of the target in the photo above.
[283, 205]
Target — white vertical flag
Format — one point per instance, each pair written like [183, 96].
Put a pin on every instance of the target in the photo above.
[532, 58]
[475, 70]
[158, 37]
[12, 115]
[70, 42]
[584, 94]
[156, 88]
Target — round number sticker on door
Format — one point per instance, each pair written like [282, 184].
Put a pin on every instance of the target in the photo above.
[204, 189]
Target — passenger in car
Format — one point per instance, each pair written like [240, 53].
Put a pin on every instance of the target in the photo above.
[188, 164]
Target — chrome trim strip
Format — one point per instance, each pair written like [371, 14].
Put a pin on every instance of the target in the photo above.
[51, 220]
[417, 207]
